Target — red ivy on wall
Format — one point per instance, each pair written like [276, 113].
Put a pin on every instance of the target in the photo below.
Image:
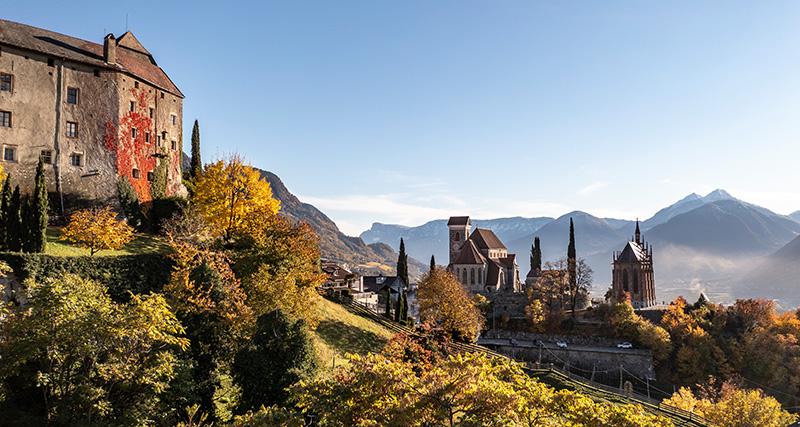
[134, 152]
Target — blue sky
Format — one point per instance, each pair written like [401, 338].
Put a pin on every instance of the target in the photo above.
[407, 111]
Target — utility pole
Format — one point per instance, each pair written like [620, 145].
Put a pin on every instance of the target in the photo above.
[620, 377]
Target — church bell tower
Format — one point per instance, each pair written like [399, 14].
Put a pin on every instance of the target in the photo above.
[459, 227]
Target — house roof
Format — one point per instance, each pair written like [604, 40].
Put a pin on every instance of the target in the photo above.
[458, 220]
[134, 59]
[632, 252]
[378, 283]
[335, 272]
[486, 239]
[469, 254]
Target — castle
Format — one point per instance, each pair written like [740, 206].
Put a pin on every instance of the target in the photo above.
[94, 113]
[632, 277]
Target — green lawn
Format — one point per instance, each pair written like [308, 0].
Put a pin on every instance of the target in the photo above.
[141, 244]
[341, 332]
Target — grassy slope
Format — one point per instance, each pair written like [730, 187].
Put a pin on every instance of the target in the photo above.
[141, 244]
[341, 332]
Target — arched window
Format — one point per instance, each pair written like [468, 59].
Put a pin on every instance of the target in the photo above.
[457, 236]
[472, 276]
[464, 276]
[625, 280]
[635, 282]
[480, 276]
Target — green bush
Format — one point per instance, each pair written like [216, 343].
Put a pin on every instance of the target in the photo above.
[122, 274]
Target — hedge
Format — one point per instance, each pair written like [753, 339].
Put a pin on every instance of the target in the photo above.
[121, 274]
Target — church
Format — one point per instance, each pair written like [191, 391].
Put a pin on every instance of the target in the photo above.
[479, 260]
[632, 277]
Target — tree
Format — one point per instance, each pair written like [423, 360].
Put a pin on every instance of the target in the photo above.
[735, 408]
[91, 359]
[279, 354]
[467, 389]
[433, 263]
[388, 307]
[444, 302]
[97, 229]
[233, 198]
[36, 240]
[537, 315]
[5, 212]
[536, 255]
[14, 234]
[402, 263]
[401, 308]
[580, 284]
[196, 164]
[158, 186]
[572, 265]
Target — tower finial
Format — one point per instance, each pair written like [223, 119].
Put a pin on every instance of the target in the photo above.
[638, 233]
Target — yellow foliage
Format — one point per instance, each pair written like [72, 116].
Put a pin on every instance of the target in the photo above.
[97, 229]
[444, 302]
[233, 198]
[736, 408]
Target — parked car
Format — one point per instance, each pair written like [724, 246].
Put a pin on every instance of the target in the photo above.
[561, 344]
[625, 345]
[513, 341]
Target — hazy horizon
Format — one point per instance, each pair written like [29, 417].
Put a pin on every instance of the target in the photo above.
[410, 111]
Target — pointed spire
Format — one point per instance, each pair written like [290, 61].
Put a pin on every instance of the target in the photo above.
[638, 233]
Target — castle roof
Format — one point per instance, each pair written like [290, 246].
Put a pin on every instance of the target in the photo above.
[458, 220]
[378, 283]
[134, 59]
[486, 239]
[632, 252]
[469, 254]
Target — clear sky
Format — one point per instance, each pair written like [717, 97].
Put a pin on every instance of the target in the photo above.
[406, 111]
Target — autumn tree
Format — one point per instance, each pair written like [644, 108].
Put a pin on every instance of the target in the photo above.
[91, 359]
[97, 229]
[5, 211]
[734, 408]
[233, 198]
[458, 390]
[443, 301]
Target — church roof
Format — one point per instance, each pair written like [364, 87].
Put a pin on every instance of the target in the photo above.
[508, 261]
[469, 254]
[74, 49]
[632, 252]
[486, 239]
[493, 273]
[458, 220]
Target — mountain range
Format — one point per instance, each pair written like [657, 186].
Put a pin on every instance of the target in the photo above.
[702, 243]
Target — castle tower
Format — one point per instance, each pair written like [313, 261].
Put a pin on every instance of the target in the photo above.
[459, 227]
[632, 277]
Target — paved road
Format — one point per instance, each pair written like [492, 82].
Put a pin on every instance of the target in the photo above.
[517, 343]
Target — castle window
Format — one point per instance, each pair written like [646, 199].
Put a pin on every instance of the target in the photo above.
[5, 119]
[6, 82]
[162, 95]
[158, 140]
[96, 72]
[625, 280]
[136, 85]
[72, 129]
[464, 276]
[72, 95]
[47, 157]
[147, 137]
[472, 276]
[133, 106]
[76, 159]
[152, 113]
[10, 154]
[174, 145]
[174, 119]
[151, 176]
[133, 133]
[135, 173]
[50, 62]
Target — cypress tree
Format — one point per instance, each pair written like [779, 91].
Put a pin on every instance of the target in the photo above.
[5, 202]
[398, 308]
[402, 263]
[536, 255]
[38, 209]
[433, 263]
[572, 262]
[196, 165]
[14, 223]
[388, 312]
[26, 212]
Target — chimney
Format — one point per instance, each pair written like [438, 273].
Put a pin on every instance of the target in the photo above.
[110, 49]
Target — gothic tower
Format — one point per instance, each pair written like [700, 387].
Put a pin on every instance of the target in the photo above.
[632, 277]
[459, 233]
